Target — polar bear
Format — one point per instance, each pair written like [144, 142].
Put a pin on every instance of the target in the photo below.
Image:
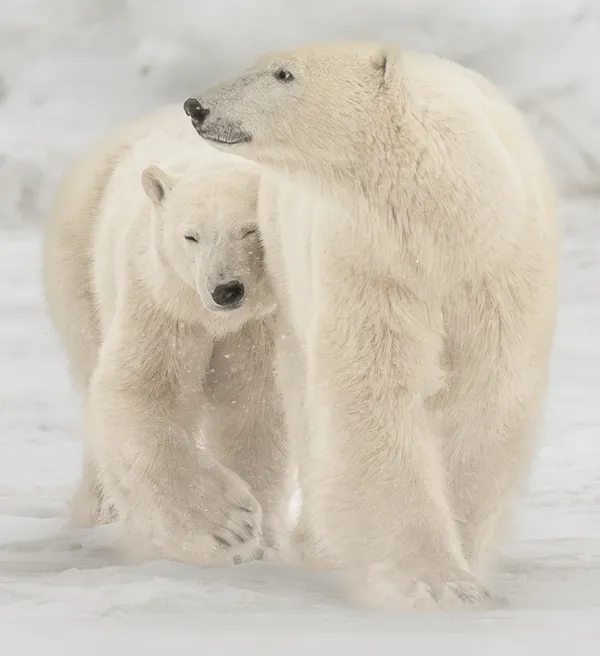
[155, 281]
[410, 228]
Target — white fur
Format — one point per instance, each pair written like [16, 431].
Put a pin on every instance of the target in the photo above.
[156, 362]
[410, 229]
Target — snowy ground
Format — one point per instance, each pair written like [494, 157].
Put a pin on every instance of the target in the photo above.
[65, 591]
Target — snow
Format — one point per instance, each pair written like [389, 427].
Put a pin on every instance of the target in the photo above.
[71, 69]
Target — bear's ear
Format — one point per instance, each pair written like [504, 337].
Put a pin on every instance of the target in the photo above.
[156, 184]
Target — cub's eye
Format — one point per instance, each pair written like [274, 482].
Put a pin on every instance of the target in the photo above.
[191, 238]
[250, 231]
[283, 75]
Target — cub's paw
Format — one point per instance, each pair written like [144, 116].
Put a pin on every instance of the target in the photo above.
[422, 589]
[211, 519]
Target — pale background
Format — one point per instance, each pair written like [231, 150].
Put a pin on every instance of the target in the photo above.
[71, 68]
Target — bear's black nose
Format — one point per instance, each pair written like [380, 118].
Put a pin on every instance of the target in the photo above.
[195, 111]
[229, 293]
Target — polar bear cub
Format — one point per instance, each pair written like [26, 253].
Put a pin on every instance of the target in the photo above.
[155, 281]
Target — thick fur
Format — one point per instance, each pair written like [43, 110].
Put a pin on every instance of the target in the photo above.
[410, 228]
[157, 364]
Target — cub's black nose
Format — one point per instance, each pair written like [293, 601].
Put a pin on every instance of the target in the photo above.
[195, 111]
[229, 293]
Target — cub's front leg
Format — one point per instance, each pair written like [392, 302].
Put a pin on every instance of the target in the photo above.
[176, 501]
[244, 422]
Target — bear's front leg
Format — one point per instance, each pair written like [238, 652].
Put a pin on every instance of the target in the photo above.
[302, 549]
[176, 501]
[376, 482]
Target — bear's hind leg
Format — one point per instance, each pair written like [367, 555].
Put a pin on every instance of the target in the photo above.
[90, 505]
[491, 411]
[70, 301]
[490, 442]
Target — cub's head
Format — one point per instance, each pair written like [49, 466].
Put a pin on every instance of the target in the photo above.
[331, 102]
[206, 233]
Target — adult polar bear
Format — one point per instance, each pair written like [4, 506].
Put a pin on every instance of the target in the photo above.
[132, 265]
[410, 226]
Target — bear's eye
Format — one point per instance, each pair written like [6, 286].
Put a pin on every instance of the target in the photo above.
[250, 231]
[283, 75]
[191, 238]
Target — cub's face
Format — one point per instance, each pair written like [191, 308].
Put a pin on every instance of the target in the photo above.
[206, 230]
[319, 102]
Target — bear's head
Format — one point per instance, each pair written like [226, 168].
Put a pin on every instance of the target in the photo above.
[335, 102]
[206, 234]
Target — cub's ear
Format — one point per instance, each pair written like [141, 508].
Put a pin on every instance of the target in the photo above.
[385, 62]
[156, 184]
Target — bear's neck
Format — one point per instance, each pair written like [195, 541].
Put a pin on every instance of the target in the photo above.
[350, 184]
